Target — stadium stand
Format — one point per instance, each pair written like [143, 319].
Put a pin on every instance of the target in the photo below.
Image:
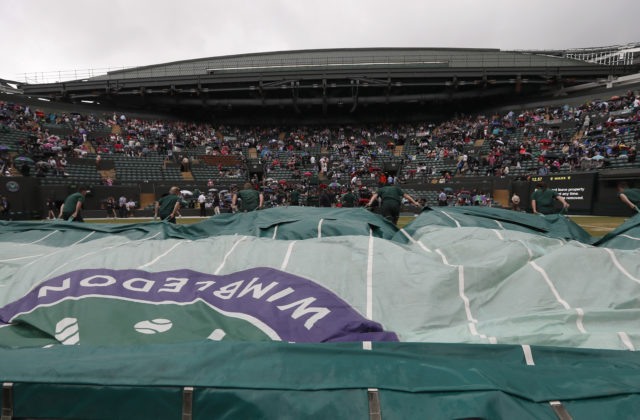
[64, 148]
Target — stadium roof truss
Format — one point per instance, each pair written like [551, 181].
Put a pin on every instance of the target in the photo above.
[342, 77]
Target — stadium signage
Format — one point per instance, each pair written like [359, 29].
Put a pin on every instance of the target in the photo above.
[577, 189]
[283, 306]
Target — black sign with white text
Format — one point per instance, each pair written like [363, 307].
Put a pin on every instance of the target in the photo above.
[577, 189]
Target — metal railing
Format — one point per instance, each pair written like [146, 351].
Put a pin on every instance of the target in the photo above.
[57, 76]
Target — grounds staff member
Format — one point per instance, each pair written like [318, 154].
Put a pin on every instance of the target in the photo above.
[542, 199]
[168, 206]
[348, 199]
[629, 196]
[251, 199]
[72, 205]
[391, 200]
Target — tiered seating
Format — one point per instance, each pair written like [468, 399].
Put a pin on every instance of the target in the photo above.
[87, 172]
[137, 168]
[11, 138]
[171, 174]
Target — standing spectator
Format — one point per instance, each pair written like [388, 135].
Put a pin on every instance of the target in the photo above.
[442, 198]
[72, 206]
[25, 169]
[202, 200]
[515, 203]
[110, 207]
[51, 208]
[216, 203]
[5, 207]
[131, 206]
[122, 206]
[326, 198]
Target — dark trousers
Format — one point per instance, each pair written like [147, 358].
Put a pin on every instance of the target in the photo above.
[78, 218]
[391, 213]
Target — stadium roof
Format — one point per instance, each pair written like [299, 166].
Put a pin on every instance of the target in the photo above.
[345, 58]
[337, 77]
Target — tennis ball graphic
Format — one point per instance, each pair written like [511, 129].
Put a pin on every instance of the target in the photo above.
[67, 331]
[158, 325]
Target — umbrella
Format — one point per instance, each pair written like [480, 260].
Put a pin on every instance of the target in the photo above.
[186, 192]
[23, 159]
[282, 181]
[598, 157]
[213, 190]
[500, 142]
[545, 141]
[448, 189]
[307, 173]
[614, 98]
[334, 185]
[4, 148]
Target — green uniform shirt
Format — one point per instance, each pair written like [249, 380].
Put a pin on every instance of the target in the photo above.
[544, 200]
[250, 200]
[633, 194]
[71, 201]
[348, 200]
[391, 196]
[295, 197]
[167, 203]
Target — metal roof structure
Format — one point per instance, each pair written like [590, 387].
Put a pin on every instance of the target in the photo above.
[349, 58]
[329, 77]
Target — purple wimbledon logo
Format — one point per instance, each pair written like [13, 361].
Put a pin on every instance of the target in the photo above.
[280, 305]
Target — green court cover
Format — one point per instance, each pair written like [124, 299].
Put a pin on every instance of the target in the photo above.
[320, 313]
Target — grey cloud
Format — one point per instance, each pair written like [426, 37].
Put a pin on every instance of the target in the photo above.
[42, 35]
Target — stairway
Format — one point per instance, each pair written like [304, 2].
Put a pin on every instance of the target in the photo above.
[253, 153]
[89, 146]
[578, 135]
[187, 176]
[12, 167]
[108, 173]
[397, 151]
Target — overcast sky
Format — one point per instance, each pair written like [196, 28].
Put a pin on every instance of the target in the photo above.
[40, 36]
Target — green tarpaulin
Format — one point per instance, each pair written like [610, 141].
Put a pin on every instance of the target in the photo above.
[552, 226]
[497, 315]
[272, 380]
